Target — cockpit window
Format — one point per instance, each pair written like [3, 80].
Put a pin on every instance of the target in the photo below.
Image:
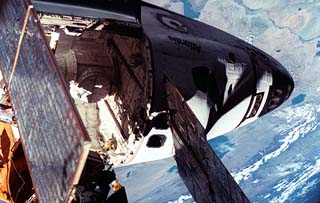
[279, 91]
[257, 104]
[275, 98]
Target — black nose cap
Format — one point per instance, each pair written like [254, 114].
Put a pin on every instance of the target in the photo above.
[283, 81]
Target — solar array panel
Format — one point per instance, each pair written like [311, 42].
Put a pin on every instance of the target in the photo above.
[55, 142]
[204, 174]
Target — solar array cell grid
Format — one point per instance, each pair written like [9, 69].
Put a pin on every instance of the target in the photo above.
[53, 136]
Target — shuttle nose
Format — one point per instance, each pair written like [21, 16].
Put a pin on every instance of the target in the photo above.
[281, 89]
[283, 80]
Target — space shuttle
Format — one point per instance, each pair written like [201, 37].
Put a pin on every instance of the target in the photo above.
[116, 83]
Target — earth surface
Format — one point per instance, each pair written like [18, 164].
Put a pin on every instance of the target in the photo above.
[277, 158]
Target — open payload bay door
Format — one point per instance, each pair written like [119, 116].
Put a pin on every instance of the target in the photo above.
[202, 171]
[54, 139]
[121, 10]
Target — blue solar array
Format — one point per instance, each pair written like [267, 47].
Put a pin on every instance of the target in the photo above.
[52, 134]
